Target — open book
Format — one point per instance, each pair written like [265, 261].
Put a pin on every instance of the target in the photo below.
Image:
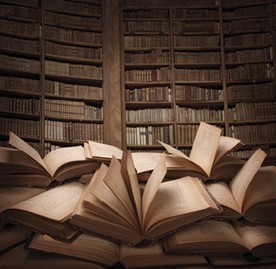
[218, 237]
[209, 157]
[113, 206]
[22, 165]
[251, 193]
[44, 211]
[108, 253]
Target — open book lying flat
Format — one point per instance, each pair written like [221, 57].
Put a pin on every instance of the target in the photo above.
[250, 195]
[22, 165]
[209, 157]
[220, 237]
[42, 210]
[112, 204]
[108, 253]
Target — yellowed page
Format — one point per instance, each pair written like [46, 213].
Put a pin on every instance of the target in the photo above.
[87, 152]
[56, 158]
[205, 146]
[254, 236]
[223, 195]
[85, 246]
[100, 189]
[243, 178]
[57, 203]
[115, 182]
[20, 144]
[226, 145]
[152, 185]
[179, 197]
[134, 188]
[145, 161]
[14, 195]
[262, 188]
[104, 151]
[173, 150]
[209, 231]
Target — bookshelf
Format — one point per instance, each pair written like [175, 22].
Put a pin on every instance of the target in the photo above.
[57, 47]
[129, 73]
[219, 57]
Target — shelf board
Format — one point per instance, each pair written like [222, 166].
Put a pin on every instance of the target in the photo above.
[199, 65]
[231, 64]
[69, 59]
[133, 84]
[145, 104]
[73, 12]
[213, 103]
[252, 122]
[80, 28]
[199, 83]
[86, 100]
[152, 123]
[196, 48]
[15, 93]
[248, 81]
[13, 52]
[21, 115]
[149, 49]
[63, 119]
[20, 73]
[74, 43]
[145, 65]
[76, 80]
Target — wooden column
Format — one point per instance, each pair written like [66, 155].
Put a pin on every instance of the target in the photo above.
[112, 73]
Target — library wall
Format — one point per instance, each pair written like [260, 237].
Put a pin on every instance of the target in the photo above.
[130, 73]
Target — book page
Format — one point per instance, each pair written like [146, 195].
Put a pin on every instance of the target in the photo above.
[254, 236]
[56, 158]
[205, 146]
[226, 145]
[87, 152]
[173, 150]
[56, 204]
[262, 188]
[152, 185]
[205, 231]
[223, 195]
[12, 196]
[114, 180]
[20, 144]
[100, 189]
[104, 151]
[85, 246]
[243, 178]
[130, 176]
[145, 161]
[179, 197]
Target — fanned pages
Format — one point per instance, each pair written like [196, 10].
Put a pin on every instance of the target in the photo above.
[111, 206]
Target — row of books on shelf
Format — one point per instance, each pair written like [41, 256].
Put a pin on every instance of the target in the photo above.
[249, 55]
[186, 134]
[195, 93]
[157, 3]
[20, 64]
[70, 20]
[250, 71]
[182, 27]
[23, 105]
[74, 70]
[149, 94]
[195, 216]
[18, 12]
[73, 131]
[160, 74]
[24, 128]
[245, 154]
[152, 56]
[156, 13]
[203, 13]
[197, 74]
[73, 51]
[71, 35]
[149, 41]
[72, 110]
[189, 114]
[19, 44]
[150, 115]
[19, 28]
[161, 27]
[259, 24]
[262, 39]
[73, 90]
[149, 135]
[196, 57]
[257, 133]
[252, 111]
[71, 6]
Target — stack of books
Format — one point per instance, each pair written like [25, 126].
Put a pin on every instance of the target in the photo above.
[96, 206]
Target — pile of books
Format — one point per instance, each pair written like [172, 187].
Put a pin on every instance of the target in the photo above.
[96, 206]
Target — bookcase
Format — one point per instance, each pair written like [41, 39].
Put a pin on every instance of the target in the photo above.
[51, 72]
[205, 60]
[130, 73]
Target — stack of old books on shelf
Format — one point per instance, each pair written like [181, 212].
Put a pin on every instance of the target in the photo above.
[96, 206]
